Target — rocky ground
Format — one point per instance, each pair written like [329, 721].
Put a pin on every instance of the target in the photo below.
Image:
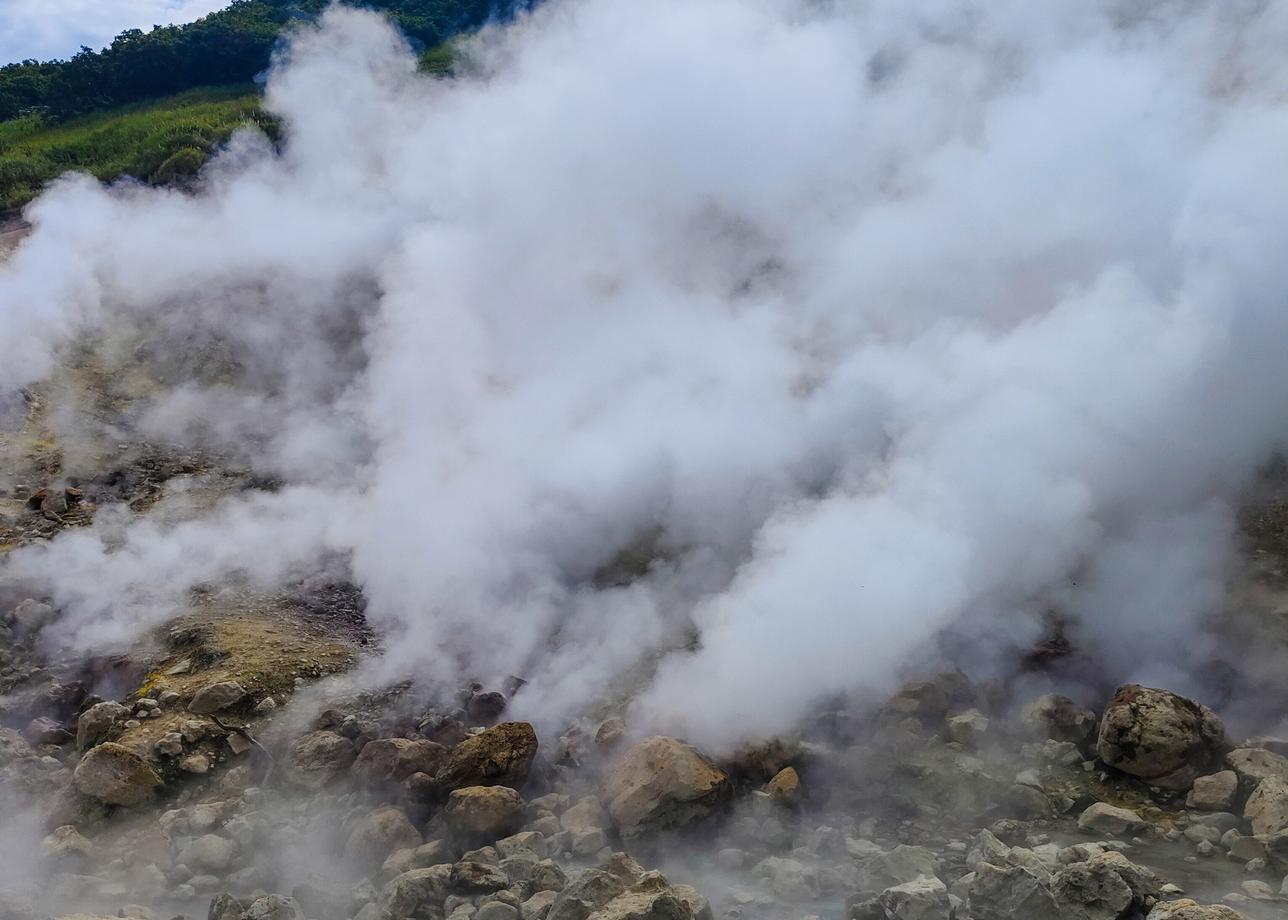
[231, 765]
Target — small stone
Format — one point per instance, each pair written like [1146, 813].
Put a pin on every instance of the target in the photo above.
[1107, 819]
[785, 787]
[215, 697]
[195, 763]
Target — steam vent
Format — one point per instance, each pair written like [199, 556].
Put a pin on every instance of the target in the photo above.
[670, 460]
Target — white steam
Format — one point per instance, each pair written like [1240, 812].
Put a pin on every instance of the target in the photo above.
[883, 315]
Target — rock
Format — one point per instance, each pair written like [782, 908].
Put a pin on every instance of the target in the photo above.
[1162, 738]
[879, 869]
[169, 745]
[470, 877]
[1104, 818]
[273, 907]
[216, 697]
[498, 756]
[1058, 717]
[195, 763]
[785, 787]
[610, 733]
[485, 707]
[1215, 792]
[115, 775]
[661, 783]
[966, 727]
[537, 906]
[226, 907]
[30, 617]
[790, 879]
[318, 758]
[1267, 807]
[407, 894]
[208, 853]
[584, 894]
[97, 721]
[650, 898]
[1252, 765]
[377, 835]
[45, 730]
[1191, 910]
[1090, 891]
[921, 899]
[65, 846]
[483, 812]
[392, 760]
[1009, 893]
[496, 910]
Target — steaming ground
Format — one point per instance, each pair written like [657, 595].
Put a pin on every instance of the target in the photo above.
[719, 365]
[699, 271]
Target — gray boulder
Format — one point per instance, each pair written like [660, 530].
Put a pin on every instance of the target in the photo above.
[1160, 737]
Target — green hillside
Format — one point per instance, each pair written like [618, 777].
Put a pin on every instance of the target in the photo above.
[155, 105]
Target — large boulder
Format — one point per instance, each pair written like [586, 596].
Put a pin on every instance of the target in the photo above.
[661, 783]
[1090, 891]
[115, 775]
[94, 723]
[411, 893]
[318, 758]
[498, 756]
[377, 835]
[1162, 738]
[391, 760]
[1267, 807]
[1215, 792]
[1252, 765]
[208, 853]
[1187, 909]
[1008, 893]
[586, 893]
[483, 813]
[924, 898]
[649, 898]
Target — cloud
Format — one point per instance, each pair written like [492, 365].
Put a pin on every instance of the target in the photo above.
[56, 29]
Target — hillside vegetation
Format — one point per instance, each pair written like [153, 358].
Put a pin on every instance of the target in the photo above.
[156, 105]
[233, 45]
[158, 142]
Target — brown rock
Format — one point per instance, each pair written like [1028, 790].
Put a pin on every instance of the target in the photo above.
[115, 775]
[610, 733]
[483, 813]
[785, 786]
[214, 697]
[377, 835]
[318, 758]
[392, 760]
[498, 756]
[1188, 909]
[661, 783]
[1162, 738]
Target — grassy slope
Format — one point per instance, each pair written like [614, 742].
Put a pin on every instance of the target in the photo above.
[158, 141]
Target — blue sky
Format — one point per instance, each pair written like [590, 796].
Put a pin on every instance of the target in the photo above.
[46, 29]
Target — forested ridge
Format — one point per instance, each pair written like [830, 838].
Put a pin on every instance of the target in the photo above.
[230, 46]
[155, 105]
